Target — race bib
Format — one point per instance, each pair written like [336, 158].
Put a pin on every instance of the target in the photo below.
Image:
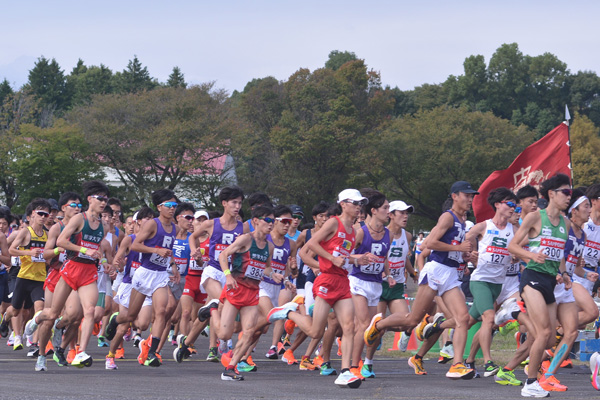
[181, 264]
[89, 246]
[374, 268]
[278, 267]
[554, 249]
[195, 266]
[255, 270]
[496, 255]
[397, 270]
[455, 255]
[134, 266]
[160, 261]
[591, 254]
[38, 258]
[570, 263]
[513, 269]
[62, 257]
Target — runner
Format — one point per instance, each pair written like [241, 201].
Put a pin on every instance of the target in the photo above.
[547, 231]
[297, 216]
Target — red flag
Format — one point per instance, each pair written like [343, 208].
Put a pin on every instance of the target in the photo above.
[541, 160]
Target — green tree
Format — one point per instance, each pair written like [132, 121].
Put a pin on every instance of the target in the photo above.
[338, 58]
[92, 81]
[585, 150]
[176, 79]
[5, 90]
[134, 78]
[584, 95]
[48, 83]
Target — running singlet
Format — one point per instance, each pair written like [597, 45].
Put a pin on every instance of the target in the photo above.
[220, 240]
[195, 267]
[591, 254]
[573, 250]
[494, 258]
[295, 237]
[397, 258]
[551, 242]
[280, 258]
[153, 261]
[379, 248]
[88, 238]
[454, 236]
[341, 244]
[34, 267]
[248, 268]
[132, 264]
[181, 255]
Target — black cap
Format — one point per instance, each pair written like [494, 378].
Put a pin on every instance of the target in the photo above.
[296, 209]
[53, 204]
[462, 186]
[5, 210]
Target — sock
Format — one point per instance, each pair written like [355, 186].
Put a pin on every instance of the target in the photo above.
[172, 327]
[304, 358]
[230, 368]
[110, 355]
[505, 369]
[273, 347]
[345, 370]
[60, 350]
[154, 345]
[448, 343]
[353, 366]
[531, 380]
[368, 361]
[418, 357]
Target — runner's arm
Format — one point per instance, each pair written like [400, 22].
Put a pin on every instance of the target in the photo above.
[5, 256]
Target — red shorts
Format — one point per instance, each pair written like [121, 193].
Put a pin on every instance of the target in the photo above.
[77, 274]
[243, 296]
[52, 279]
[192, 289]
[332, 288]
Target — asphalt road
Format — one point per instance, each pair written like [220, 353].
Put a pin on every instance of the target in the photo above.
[198, 379]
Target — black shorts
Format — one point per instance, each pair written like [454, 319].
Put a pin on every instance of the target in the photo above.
[26, 293]
[4, 292]
[543, 283]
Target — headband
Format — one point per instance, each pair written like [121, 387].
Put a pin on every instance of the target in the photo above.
[577, 203]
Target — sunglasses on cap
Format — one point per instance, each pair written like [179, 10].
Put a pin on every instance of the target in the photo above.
[100, 198]
[42, 213]
[285, 221]
[169, 204]
[75, 205]
[188, 217]
[566, 192]
[268, 220]
[511, 204]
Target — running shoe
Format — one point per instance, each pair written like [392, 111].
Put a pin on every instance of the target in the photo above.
[110, 363]
[181, 352]
[509, 327]
[286, 340]
[128, 336]
[540, 373]
[318, 361]
[472, 366]
[306, 365]
[4, 325]
[40, 365]
[111, 327]
[348, 380]
[288, 357]
[71, 355]
[311, 309]
[82, 359]
[96, 329]
[57, 334]
[534, 390]
[102, 342]
[152, 360]
[298, 299]
[34, 351]
[204, 311]
[226, 358]
[223, 348]
[212, 355]
[434, 327]
[281, 348]
[11, 339]
[206, 331]
[144, 349]
[250, 361]
[338, 341]
[566, 363]
[490, 369]
[281, 313]
[272, 353]
[231, 375]
[136, 340]
[243, 366]
[551, 384]
[327, 370]
[17, 344]
[372, 333]
[460, 371]
[59, 357]
[171, 337]
[120, 354]
[421, 326]
[289, 326]
[31, 325]
[446, 354]
[367, 371]
[507, 378]
[356, 372]
[504, 314]
[403, 342]
[594, 366]
[191, 349]
[417, 364]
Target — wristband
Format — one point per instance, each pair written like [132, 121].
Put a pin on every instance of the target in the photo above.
[103, 260]
[83, 250]
[56, 251]
[564, 272]
[227, 272]
[585, 275]
[286, 280]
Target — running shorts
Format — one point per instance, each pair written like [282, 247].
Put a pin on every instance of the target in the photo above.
[77, 274]
[52, 279]
[271, 291]
[331, 288]
[389, 294]
[509, 288]
[147, 281]
[213, 273]
[562, 295]
[193, 289]
[242, 296]
[367, 289]
[484, 296]
[439, 277]
[543, 283]
[26, 293]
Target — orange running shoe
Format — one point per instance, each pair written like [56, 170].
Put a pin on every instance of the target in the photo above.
[250, 361]
[356, 372]
[71, 355]
[159, 357]
[288, 357]
[280, 348]
[226, 358]
[298, 299]
[144, 349]
[545, 365]
[567, 363]
[421, 326]
[50, 347]
[318, 361]
[339, 343]
[120, 354]
[96, 329]
[551, 384]
[192, 349]
[289, 326]
[306, 364]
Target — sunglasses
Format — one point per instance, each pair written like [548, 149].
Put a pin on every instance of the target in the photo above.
[297, 216]
[518, 210]
[355, 202]
[14, 226]
[100, 198]
[268, 220]
[285, 221]
[75, 205]
[169, 204]
[566, 192]
[188, 217]
[511, 204]
[42, 213]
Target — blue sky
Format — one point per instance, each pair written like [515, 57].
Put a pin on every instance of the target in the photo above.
[232, 42]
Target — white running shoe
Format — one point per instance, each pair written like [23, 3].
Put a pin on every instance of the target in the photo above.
[447, 351]
[110, 363]
[403, 342]
[40, 365]
[81, 360]
[348, 380]
[533, 390]
[504, 314]
[281, 312]
[31, 325]
[594, 366]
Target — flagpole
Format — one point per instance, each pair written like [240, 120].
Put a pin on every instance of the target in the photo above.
[567, 119]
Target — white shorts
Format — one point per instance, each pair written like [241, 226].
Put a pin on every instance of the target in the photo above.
[367, 289]
[124, 294]
[109, 291]
[271, 291]
[309, 298]
[177, 290]
[588, 285]
[509, 288]
[117, 281]
[146, 281]
[213, 273]
[563, 296]
[439, 277]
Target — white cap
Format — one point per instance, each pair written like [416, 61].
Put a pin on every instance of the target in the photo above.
[351, 194]
[135, 216]
[399, 205]
[201, 213]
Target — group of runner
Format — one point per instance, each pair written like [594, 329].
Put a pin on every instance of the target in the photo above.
[183, 273]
